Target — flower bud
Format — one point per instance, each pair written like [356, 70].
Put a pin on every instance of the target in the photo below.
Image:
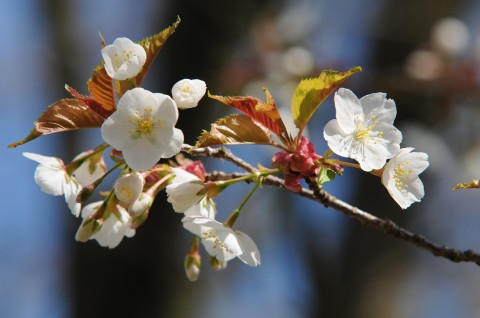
[216, 264]
[187, 93]
[192, 266]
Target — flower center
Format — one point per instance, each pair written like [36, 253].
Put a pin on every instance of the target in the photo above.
[144, 124]
[121, 58]
[362, 133]
[401, 175]
[186, 88]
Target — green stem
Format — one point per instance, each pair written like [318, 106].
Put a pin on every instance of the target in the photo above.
[253, 176]
[74, 165]
[132, 82]
[87, 191]
[233, 217]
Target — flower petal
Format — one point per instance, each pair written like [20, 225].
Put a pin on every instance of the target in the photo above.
[251, 254]
[72, 189]
[347, 107]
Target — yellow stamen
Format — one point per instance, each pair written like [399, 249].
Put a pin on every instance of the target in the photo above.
[144, 125]
[363, 134]
[401, 175]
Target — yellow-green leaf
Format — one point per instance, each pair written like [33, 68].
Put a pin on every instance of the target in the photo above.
[66, 114]
[474, 184]
[325, 175]
[310, 93]
[234, 129]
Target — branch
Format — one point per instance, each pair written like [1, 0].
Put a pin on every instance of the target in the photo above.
[317, 194]
[220, 153]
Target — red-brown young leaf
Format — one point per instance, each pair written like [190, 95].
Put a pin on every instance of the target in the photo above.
[256, 109]
[66, 114]
[100, 86]
[234, 129]
[270, 109]
[89, 102]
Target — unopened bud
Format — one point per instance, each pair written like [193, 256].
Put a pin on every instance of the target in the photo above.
[216, 264]
[86, 193]
[192, 266]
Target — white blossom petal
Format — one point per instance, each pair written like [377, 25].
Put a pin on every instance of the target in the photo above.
[88, 173]
[142, 128]
[123, 59]
[400, 176]
[204, 208]
[185, 191]
[128, 188]
[114, 229]
[251, 254]
[347, 107]
[223, 242]
[50, 174]
[90, 209]
[141, 205]
[363, 129]
[71, 191]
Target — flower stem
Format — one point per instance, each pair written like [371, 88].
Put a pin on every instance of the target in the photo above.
[252, 176]
[233, 217]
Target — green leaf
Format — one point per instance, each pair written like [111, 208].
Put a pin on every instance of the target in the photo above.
[325, 175]
[152, 46]
[474, 184]
[263, 113]
[66, 114]
[310, 93]
[234, 129]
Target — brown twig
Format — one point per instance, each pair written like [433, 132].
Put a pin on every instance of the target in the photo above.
[220, 153]
[317, 194]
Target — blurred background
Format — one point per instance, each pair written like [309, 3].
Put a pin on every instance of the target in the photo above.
[316, 262]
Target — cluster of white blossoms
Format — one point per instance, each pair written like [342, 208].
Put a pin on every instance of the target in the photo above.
[143, 129]
[188, 195]
[363, 130]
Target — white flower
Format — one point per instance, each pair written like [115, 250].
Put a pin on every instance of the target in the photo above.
[185, 191]
[400, 176]
[53, 178]
[128, 188]
[364, 129]
[89, 171]
[123, 59]
[141, 205]
[204, 208]
[112, 230]
[142, 127]
[223, 242]
[187, 93]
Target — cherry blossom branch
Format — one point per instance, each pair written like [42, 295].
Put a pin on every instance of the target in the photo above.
[317, 194]
[219, 153]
